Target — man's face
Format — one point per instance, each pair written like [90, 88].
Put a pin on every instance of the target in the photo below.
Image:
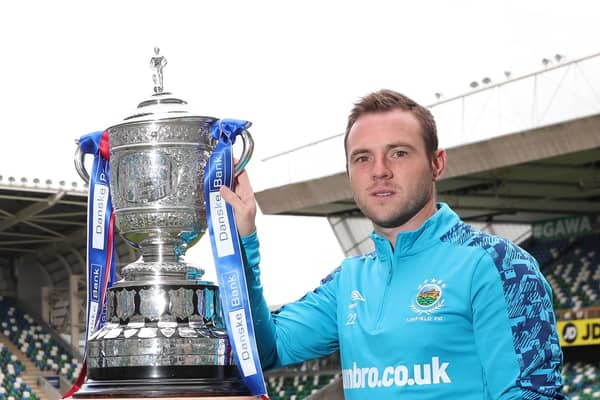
[391, 176]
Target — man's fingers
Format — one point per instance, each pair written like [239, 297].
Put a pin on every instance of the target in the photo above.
[244, 209]
[230, 197]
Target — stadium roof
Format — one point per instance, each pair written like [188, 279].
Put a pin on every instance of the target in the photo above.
[45, 224]
[529, 176]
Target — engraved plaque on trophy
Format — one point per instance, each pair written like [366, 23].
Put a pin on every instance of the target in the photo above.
[164, 332]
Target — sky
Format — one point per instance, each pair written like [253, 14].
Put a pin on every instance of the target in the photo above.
[293, 68]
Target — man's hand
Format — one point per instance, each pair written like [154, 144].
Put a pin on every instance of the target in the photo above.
[243, 203]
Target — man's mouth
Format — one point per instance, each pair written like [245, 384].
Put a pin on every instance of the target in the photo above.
[382, 193]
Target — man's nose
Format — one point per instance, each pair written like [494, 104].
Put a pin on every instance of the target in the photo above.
[381, 169]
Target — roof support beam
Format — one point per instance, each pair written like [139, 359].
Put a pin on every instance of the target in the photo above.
[523, 204]
[32, 210]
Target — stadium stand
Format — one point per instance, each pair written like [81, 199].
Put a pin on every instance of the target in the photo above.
[300, 385]
[12, 384]
[41, 348]
[582, 381]
[302, 380]
[34, 350]
[572, 267]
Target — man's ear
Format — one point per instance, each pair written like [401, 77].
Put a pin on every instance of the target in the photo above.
[438, 163]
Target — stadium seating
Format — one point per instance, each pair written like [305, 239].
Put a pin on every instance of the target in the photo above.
[296, 386]
[39, 346]
[299, 381]
[11, 384]
[572, 267]
[582, 381]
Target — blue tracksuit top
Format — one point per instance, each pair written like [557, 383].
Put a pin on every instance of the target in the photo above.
[449, 313]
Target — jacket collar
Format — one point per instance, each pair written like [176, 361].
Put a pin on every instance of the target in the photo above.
[425, 236]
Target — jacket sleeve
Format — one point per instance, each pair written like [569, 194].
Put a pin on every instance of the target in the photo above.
[515, 327]
[299, 331]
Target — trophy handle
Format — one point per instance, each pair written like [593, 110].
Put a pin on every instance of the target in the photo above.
[247, 151]
[79, 166]
[244, 158]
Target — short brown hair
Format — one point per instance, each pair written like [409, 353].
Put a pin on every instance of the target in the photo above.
[387, 100]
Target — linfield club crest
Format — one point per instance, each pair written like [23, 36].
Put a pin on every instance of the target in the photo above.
[429, 298]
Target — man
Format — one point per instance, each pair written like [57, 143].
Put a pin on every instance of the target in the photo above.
[438, 310]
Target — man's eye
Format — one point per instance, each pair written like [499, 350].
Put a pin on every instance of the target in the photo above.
[399, 153]
[360, 159]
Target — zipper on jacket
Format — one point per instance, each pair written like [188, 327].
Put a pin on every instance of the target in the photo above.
[385, 294]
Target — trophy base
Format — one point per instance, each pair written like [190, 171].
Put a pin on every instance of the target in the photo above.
[213, 374]
[163, 388]
[154, 382]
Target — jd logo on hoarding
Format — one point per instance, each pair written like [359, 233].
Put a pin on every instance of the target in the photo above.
[569, 333]
[591, 332]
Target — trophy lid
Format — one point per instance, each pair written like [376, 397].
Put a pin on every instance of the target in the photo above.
[161, 105]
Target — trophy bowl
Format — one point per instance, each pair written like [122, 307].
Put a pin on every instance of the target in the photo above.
[164, 330]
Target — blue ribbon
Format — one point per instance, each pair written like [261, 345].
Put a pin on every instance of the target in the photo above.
[228, 256]
[101, 257]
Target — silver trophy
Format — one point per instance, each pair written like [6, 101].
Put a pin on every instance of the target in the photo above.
[164, 331]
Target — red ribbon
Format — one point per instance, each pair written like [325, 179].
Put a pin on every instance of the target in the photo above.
[104, 148]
